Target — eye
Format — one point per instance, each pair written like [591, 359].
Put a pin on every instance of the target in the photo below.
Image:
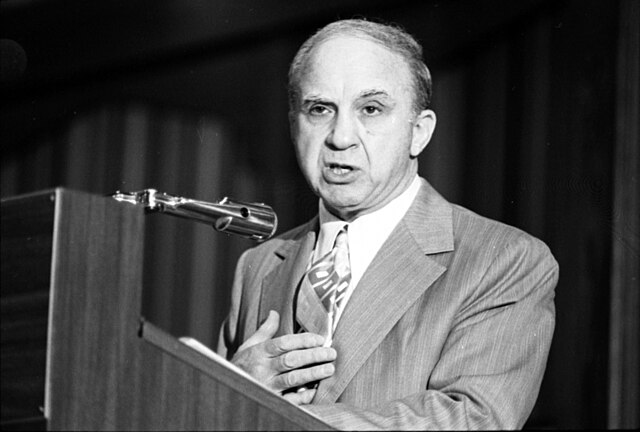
[371, 110]
[319, 110]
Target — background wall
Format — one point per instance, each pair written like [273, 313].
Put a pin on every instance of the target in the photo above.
[537, 105]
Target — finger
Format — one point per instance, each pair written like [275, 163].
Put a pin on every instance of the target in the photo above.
[300, 398]
[291, 342]
[266, 331]
[298, 377]
[301, 358]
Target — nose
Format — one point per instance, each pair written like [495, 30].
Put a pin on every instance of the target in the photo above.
[344, 133]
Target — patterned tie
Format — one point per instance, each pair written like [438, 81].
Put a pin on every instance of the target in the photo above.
[323, 289]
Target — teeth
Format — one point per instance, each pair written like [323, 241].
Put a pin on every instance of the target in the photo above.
[337, 169]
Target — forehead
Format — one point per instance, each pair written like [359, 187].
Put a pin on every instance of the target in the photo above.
[352, 64]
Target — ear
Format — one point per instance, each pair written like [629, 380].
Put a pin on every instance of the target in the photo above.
[423, 128]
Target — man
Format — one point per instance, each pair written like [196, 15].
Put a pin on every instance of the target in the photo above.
[437, 317]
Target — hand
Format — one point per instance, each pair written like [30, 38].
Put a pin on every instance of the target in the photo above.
[287, 361]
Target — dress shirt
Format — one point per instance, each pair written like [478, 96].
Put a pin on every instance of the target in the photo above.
[366, 234]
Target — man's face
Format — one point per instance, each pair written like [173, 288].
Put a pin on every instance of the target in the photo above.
[354, 129]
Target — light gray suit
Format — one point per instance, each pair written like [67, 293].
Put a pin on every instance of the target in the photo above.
[449, 328]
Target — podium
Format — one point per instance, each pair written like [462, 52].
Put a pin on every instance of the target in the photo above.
[76, 354]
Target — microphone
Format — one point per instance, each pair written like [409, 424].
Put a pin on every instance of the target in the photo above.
[256, 221]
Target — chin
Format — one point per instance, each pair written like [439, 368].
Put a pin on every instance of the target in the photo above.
[342, 197]
[343, 209]
[337, 200]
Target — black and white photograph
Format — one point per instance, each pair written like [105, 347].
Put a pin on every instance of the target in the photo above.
[320, 215]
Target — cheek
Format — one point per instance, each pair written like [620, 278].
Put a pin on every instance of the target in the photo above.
[384, 147]
[395, 143]
[307, 159]
[309, 142]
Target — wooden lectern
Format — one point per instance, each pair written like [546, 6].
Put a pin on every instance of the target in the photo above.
[75, 354]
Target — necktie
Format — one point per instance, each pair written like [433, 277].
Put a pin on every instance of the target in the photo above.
[323, 289]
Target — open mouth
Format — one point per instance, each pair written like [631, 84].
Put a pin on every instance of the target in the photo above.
[339, 169]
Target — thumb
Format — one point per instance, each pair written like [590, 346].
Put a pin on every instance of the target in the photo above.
[301, 397]
[266, 331]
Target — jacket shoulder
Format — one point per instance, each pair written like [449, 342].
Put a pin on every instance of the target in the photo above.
[472, 230]
[268, 251]
[494, 251]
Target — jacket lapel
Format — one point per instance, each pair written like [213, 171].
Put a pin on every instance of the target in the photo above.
[279, 286]
[399, 274]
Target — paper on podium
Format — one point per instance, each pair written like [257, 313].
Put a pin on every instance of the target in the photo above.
[208, 352]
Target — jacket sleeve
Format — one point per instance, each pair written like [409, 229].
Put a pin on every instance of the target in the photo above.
[491, 366]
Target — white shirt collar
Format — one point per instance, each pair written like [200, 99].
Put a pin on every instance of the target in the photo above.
[367, 233]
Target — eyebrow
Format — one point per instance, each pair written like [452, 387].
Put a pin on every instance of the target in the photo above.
[365, 94]
[372, 93]
[313, 99]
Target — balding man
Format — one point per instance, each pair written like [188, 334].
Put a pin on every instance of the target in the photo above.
[392, 308]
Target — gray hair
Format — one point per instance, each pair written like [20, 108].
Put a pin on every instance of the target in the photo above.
[391, 37]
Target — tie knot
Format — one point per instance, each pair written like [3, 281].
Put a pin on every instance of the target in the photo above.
[341, 239]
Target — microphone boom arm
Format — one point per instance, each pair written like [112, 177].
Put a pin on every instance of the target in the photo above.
[256, 221]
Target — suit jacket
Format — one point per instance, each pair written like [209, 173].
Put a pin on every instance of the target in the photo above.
[449, 327]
